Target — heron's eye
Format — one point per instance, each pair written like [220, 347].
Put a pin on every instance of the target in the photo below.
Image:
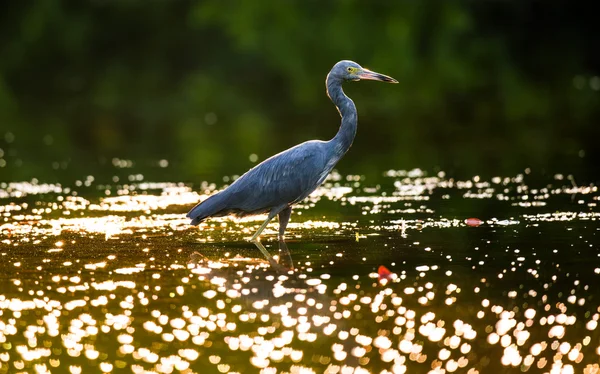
[350, 70]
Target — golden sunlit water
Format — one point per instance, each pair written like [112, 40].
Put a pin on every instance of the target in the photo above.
[485, 276]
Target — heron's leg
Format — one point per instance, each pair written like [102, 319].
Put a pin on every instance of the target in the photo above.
[284, 218]
[262, 227]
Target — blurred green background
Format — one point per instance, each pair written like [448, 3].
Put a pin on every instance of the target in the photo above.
[191, 90]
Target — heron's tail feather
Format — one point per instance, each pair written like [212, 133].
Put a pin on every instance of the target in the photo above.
[207, 208]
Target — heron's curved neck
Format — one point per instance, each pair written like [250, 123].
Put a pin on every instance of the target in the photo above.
[345, 135]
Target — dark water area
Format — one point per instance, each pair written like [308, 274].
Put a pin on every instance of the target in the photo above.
[495, 86]
[416, 273]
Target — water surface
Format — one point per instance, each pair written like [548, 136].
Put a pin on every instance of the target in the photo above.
[485, 276]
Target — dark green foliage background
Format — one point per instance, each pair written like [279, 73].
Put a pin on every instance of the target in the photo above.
[486, 87]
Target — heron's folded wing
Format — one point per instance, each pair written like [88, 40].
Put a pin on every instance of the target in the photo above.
[281, 179]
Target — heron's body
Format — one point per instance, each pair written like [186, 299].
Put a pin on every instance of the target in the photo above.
[287, 178]
[272, 183]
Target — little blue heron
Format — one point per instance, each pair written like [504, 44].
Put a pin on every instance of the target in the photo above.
[279, 182]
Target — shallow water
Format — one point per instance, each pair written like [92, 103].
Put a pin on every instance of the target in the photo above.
[486, 276]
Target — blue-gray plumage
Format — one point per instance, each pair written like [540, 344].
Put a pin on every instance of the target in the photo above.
[279, 182]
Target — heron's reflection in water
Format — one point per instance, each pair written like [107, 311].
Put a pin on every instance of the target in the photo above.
[282, 263]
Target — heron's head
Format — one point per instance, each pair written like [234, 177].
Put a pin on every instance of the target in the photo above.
[351, 71]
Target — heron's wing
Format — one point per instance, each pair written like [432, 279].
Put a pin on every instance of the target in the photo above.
[281, 179]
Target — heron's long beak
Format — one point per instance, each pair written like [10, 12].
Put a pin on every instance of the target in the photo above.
[371, 75]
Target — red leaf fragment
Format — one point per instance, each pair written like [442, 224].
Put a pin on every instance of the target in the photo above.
[384, 273]
[473, 222]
